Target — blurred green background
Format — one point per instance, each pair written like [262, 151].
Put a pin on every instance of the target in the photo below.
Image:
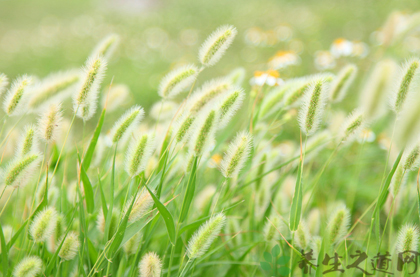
[41, 36]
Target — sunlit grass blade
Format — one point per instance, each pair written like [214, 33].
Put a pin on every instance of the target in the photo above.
[87, 186]
[189, 192]
[296, 208]
[167, 217]
[91, 148]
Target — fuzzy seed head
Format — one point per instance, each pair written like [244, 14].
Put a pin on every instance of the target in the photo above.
[139, 153]
[126, 123]
[352, 126]
[408, 128]
[183, 127]
[29, 267]
[28, 142]
[410, 74]
[203, 135]
[338, 224]
[398, 181]
[177, 81]
[54, 88]
[205, 235]
[229, 105]
[302, 236]
[412, 160]
[341, 84]
[57, 234]
[19, 171]
[115, 96]
[296, 91]
[408, 238]
[16, 97]
[377, 88]
[208, 92]
[44, 224]
[313, 107]
[150, 265]
[314, 219]
[237, 76]
[4, 82]
[203, 198]
[70, 246]
[236, 155]
[216, 44]
[163, 110]
[100, 222]
[141, 206]
[106, 46]
[49, 123]
[84, 101]
[133, 244]
[274, 99]
[270, 231]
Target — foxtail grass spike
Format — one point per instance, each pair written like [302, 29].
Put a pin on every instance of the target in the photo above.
[216, 44]
[29, 267]
[141, 206]
[16, 97]
[177, 81]
[28, 142]
[115, 96]
[408, 82]
[352, 126]
[19, 172]
[302, 236]
[184, 126]
[208, 92]
[106, 46]
[43, 225]
[338, 224]
[229, 105]
[408, 127]
[398, 181]
[203, 135]
[54, 88]
[205, 235]
[272, 228]
[375, 92]
[236, 155]
[150, 265]
[126, 123]
[237, 76]
[70, 246]
[342, 82]
[4, 82]
[133, 244]
[313, 107]
[139, 153]
[50, 122]
[100, 222]
[412, 160]
[408, 239]
[84, 100]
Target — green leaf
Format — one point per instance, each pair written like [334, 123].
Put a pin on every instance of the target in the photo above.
[4, 253]
[275, 251]
[119, 235]
[283, 260]
[189, 193]
[296, 208]
[91, 148]
[167, 217]
[385, 190]
[103, 200]
[265, 266]
[87, 186]
[111, 199]
[267, 257]
[284, 271]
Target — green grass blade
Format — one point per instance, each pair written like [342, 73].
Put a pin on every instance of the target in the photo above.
[4, 253]
[296, 208]
[385, 190]
[87, 186]
[111, 199]
[189, 193]
[91, 148]
[103, 199]
[167, 217]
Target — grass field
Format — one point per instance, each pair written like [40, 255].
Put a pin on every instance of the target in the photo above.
[209, 138]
